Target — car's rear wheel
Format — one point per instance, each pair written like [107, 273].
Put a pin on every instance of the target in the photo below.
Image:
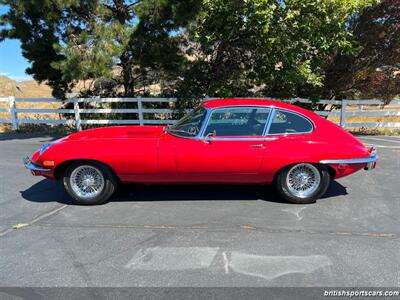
[89, 182]
[302, 183]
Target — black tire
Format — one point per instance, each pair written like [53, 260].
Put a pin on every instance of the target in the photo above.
[110, 183]
[285, 192]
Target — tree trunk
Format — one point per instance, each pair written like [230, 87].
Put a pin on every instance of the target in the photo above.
[127, 76]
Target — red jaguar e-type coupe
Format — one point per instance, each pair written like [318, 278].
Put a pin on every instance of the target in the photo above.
[239, 141]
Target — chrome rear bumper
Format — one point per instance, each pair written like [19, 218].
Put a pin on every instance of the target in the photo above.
[30, 166]
[370, 160]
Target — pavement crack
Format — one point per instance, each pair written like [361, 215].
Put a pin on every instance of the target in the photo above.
[122, 226]
[227, 227]
[4, 232]
[37, 219]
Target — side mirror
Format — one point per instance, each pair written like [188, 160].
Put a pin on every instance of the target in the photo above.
[207, 139]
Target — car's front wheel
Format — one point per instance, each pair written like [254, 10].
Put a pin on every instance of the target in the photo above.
[89, 182]
[302, 183]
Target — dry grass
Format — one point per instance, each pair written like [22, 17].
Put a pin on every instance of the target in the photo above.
[25, 89]
[367, 119]
[7, 127]
[375, 131]
[363, 119]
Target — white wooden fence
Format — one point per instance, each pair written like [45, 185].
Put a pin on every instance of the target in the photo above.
[162, 115]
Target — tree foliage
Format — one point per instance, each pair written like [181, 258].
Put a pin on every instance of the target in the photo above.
[219, 48]
[33, 23]
[116, 44]
[375, 71]
[266, 47]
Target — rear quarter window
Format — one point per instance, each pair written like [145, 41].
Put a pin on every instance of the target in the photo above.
[285, 122]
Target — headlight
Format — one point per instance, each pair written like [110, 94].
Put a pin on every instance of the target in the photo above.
[44, 148]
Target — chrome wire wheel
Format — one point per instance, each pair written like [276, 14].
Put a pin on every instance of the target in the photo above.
[303, 180]
[87, 181]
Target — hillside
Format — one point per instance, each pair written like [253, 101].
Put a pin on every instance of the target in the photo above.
[32, 89]
[23, 89]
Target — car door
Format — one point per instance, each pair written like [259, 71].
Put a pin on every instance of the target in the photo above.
[292, 134]
[232, 145]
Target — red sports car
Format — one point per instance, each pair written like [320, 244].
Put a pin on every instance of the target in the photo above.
[237, 141]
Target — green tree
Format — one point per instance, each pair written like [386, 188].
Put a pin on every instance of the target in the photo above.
[118, 45]
[266, 47]
[375, 71]
[211, 47]
[34, 24]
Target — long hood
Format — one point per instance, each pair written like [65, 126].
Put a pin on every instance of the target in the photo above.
[117, 132]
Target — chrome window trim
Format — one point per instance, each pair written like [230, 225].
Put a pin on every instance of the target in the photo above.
[291, 133]
[241, 138]
[199, 134]
[206, 119]
[270, 118]
[273, 109]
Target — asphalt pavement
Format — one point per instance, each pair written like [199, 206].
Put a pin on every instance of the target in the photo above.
[200, 235]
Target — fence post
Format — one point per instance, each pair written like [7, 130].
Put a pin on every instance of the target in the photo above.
[14, 115]
[140, 110]
[78, 124]
[343, 114]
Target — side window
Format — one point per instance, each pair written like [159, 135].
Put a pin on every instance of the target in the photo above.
[287, 122]
[239, 121]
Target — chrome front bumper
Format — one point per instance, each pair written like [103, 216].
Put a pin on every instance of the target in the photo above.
[370, 160]
[32, 167]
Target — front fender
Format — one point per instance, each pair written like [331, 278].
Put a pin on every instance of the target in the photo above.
[124, 156]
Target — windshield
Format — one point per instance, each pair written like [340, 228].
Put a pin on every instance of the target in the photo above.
[190, 124]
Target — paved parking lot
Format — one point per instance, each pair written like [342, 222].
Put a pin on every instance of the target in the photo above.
[199, 235]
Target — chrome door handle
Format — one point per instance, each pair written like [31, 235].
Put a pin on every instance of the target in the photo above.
[257, 146]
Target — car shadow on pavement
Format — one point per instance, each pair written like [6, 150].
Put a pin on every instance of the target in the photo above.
[52, 191]
[46, 191]
[335, 189]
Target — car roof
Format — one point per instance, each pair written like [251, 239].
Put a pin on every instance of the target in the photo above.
[226, 102]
